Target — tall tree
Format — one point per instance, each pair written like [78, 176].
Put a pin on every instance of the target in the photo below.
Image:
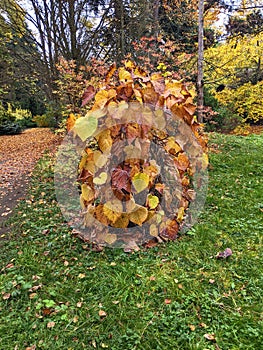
[200, 62]
[19, 59]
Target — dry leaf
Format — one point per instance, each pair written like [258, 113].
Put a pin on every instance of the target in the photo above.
[102, 313]
[51, 324]
[210, 336]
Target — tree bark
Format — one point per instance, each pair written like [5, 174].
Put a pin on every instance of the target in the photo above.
[200, 62]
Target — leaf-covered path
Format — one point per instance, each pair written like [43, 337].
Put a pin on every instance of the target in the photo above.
[18, 156]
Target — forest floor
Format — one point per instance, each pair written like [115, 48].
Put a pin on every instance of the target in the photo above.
[18, 157]
[57, 292]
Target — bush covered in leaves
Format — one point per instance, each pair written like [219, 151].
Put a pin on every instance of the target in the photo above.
[136, 121]
[8, 123]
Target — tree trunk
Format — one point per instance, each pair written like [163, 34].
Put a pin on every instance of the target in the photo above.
[200, 62]
[119, 18]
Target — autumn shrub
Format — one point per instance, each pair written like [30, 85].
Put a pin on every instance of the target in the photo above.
[23, 117]
[121, 138]
[45, 120]
[244, 101]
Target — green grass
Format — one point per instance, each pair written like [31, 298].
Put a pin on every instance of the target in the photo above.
[49, 275]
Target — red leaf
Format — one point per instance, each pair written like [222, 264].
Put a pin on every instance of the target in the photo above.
[120, 180]
[88, 95]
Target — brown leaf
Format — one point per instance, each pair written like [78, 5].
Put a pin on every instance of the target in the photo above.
[102, 313]
[6, 296]
[89, 93]
[51, 324]
[139, 215]
[171, 230]
[157, 81]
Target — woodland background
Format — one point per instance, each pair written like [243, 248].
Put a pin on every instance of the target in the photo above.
[51, 50]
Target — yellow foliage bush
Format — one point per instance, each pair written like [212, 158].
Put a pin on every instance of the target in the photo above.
[245, 101]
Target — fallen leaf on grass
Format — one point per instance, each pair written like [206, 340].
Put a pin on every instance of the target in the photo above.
[210, 336]
[51, 324]
[167, 301]
[6, 296]
[225, 254]
[33, 347]
[102, 313]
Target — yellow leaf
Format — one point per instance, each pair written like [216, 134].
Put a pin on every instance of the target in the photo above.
[85, 127]
[180, 214]
[101, 98]
[172, 146]
[90, 166]
[140, 181]
[113, 210]
[205, 161]
[105, 141]
[97, 113]
[87, 192]
[174, 88]
[100, 159]
[152, 201]
[153, 230]
[129, 64]
[110, 238]
[139, 215]
[122, 221]
[159, 119]
[125, 76]
[101, 179]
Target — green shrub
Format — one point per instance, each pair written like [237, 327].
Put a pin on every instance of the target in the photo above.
[45, 120]
[219, 117]
[14, 120]
[10, 128]
[24, 118]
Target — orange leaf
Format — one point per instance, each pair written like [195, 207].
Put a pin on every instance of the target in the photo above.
[167, 301]
[71, 121]
[110, 73]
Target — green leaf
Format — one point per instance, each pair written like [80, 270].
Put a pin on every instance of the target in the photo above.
[85, 126]
[140, 182]
[153, 201]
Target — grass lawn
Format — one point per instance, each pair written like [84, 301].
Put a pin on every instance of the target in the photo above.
[56, 293]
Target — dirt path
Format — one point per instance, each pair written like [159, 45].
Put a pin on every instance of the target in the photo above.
[18, 156]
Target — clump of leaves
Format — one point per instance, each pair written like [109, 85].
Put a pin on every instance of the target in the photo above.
[135, 120]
